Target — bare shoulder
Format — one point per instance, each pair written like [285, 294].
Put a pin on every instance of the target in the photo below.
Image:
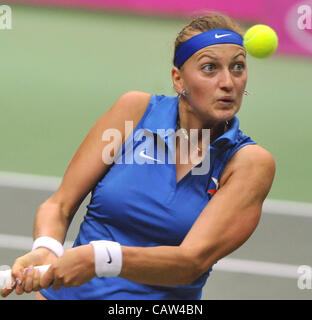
[248, 160]
[253, 155]
[135, 97]
[132, 104]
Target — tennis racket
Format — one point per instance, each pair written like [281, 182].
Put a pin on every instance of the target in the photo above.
[6, 276]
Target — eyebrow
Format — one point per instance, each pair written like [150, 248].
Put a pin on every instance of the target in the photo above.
[207, 55]
[215, 58]
[240, 54]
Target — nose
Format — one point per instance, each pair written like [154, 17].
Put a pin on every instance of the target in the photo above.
[226, 81]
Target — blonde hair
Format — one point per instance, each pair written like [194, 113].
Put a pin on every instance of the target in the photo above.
[209, 21]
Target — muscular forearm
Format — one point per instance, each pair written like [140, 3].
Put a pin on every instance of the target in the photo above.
[164, 265]
[181, 265]
[51, 220]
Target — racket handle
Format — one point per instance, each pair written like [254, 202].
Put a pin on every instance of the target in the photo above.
[6, 276]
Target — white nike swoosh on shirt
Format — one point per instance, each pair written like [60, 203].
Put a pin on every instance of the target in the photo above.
[217, 36]
[143, 155]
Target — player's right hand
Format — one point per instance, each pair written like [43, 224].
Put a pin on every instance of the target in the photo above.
[26, 278]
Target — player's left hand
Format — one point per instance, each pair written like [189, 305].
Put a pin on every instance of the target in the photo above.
[74, 268]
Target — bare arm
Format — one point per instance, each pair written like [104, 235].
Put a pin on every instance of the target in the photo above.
[224, 225]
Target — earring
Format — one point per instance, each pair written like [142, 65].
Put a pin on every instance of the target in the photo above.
[184, 93]
[247, 93]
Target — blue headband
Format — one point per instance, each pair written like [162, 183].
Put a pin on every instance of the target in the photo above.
[205, 39]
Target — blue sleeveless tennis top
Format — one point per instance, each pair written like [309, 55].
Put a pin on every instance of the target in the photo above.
[141, 204]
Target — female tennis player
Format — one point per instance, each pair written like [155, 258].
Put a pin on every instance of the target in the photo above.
[154, 229]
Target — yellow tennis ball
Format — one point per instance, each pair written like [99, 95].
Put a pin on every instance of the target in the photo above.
[260, 41]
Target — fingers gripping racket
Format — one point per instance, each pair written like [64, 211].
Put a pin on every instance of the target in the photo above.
[6, 276]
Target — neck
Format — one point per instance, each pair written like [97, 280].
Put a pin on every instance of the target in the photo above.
[188, 120]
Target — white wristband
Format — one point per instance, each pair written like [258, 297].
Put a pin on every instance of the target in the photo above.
[107, 258]
[50, 243]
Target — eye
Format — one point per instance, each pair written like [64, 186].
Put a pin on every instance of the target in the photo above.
[209, 67]
[239, 66]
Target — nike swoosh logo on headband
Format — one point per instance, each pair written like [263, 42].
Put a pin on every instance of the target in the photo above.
[217, 36]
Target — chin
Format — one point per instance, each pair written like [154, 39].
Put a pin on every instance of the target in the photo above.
[226, 115]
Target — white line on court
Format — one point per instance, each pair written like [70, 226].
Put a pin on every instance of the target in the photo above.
[257, 268]
[29, 181]
[226, 264]
[287, 208]
[8, 241]
[46, 183]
